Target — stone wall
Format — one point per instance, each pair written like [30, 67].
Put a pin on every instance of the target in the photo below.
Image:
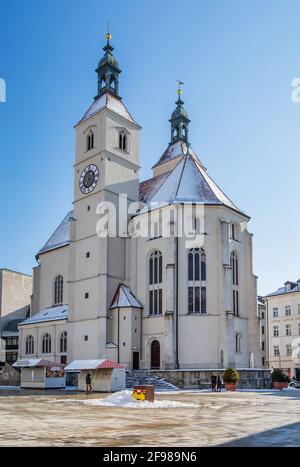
[200, 379]
[15, 291]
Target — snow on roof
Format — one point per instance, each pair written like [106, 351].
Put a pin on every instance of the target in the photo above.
[124, 298]
[60, 237]
[173, 151]
[37, 363]
[282, 290]
[187, 182]
[77, 365]
[150, 186]
[109, 102]
[55, 313]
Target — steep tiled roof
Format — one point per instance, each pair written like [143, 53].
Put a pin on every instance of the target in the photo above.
[188, 182]
[124, 298]
[109, 102]
[60, 237]
[150, 186]
[173, 152]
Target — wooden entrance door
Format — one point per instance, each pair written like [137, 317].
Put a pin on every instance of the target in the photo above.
[155, 355]
[136, 361]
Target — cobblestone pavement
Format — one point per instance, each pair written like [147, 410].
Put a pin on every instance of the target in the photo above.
[234, 419]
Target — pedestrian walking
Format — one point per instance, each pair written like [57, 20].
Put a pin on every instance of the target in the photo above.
[219, 383]
[88, 383]
[213, 380]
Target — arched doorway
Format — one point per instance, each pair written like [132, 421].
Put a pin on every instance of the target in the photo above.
[155, 355]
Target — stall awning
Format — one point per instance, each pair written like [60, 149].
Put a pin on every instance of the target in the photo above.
[37, 363]
[78, 365]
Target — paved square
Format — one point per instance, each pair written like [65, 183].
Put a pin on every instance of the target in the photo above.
[239, 419]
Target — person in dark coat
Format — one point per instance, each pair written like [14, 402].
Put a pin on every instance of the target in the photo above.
[213, 380]
[219, 383]
[88, 383]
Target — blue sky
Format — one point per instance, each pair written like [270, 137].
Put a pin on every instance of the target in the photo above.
[237, 59]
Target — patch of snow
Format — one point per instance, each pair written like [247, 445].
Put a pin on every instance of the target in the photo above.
[125, 298]
[55, 313]
[60, 237]
[125, 399]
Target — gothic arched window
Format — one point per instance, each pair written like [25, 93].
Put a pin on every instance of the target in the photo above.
[90, 140]
[46, 344]
[122, 141]
[155, 283]
[29, 345]
[63, 342]
[184, 132]
[197, 281]
[234, 263]
[58, 290]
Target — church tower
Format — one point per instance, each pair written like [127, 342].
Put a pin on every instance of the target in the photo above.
[106, 166]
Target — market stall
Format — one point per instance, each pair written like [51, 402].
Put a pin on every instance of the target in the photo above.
[41, 374]
[106, 375]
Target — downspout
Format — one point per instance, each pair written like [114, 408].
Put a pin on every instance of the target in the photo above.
[176, 306]
[118, 335]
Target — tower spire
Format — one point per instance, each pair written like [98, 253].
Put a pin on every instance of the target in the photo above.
[108, 70]
[179, 119]
[108, 34]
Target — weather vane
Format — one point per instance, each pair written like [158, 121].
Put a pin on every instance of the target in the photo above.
[108, 34]
[179, 90]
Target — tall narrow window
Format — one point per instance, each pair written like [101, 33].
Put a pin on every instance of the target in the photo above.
[90, 140]
[235, 282]
[46, 344]
[197, 281]
[237, 342]
[29, 345]
[63, 342]
[155, 283]
[122, 141]
[58, 290]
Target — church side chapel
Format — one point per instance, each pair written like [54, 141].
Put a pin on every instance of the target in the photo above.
[159, 302]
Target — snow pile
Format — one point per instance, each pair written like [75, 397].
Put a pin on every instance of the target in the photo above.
[125, 399]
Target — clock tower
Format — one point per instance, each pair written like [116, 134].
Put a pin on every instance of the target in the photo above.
[106, 166]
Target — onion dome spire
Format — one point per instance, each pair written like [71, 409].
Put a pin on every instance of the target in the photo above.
[179, 119]
[108, 70]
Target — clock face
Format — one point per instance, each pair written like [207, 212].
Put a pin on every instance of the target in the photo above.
[89, 179]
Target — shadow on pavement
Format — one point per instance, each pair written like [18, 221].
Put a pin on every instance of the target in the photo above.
[283, 436]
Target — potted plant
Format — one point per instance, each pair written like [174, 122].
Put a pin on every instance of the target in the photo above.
[231, 378]
[279, 379]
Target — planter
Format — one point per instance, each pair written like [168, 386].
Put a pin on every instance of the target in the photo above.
[280, 386]
[230, 386]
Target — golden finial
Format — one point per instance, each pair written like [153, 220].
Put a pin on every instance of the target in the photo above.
[179, 90]
[108, 34]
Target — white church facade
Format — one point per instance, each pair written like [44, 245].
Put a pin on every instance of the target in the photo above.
[173, 298]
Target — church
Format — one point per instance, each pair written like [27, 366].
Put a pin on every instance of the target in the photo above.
[170, 285]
